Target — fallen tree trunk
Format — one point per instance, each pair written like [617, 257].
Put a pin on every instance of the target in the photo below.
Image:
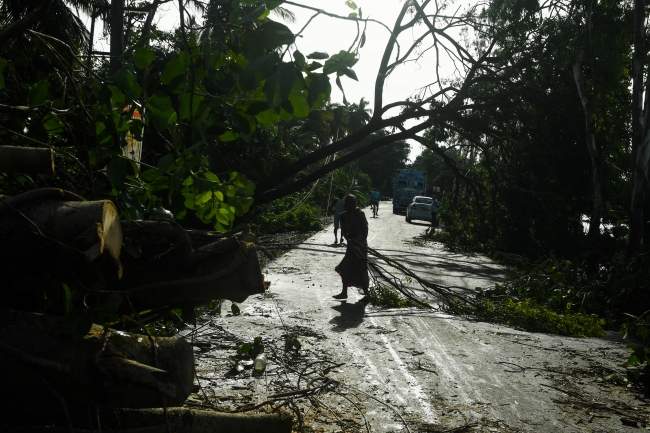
[181, 275]
[105, 368]
[15, 159]
[200, 421]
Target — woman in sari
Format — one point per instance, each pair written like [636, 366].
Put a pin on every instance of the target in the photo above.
[353, 269]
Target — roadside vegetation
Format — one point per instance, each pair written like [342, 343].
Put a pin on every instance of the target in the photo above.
[226, 121]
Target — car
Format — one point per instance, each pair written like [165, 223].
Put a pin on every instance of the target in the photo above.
[419, 209]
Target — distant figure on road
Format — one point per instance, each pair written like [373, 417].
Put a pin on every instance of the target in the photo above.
[338, 205]
[434, 212]
[374, 202]
[353, 269]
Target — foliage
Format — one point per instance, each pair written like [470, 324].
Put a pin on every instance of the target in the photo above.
[385, 296]
[638, 364]
[531, 316]
[246, 351]
[291, 343]
[381, 164]
[278, 217]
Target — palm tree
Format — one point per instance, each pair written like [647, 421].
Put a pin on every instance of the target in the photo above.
[359, 115]
[56, 18]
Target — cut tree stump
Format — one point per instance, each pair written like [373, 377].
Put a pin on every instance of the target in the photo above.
[105, 368]
[36, 160]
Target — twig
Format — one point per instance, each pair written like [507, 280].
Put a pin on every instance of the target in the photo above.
[377, 400]
[64, 407]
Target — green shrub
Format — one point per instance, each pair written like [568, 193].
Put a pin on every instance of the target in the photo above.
[280, 218]
[638, 363]
[386, 296]
[529, 315]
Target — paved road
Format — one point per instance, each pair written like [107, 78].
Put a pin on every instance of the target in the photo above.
[437, 371]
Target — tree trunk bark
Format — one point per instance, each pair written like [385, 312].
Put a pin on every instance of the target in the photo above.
[105, 368]
[639, 133]
[597, 162]
[201, 421]
[117, 34]
[15, 159]
[89, 227]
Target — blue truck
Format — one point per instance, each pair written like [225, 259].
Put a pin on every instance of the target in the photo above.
[408, 184]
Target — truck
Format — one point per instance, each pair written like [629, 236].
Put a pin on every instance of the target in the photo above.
[408, 184]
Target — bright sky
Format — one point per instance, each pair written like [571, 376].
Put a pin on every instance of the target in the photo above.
[332, 35]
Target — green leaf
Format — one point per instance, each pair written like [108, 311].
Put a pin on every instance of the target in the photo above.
[253, 15]
[143, 57]
[228, 136]
[351, 4]
[338, 83]
[52, 124]
[275, 35]
[166, 162]
[246, 347]
[117, 171]
[363, 39]
[299, 60]
[319, 89]
[160, 111]
[272, 4]
[132, 207]
[172, 70]
[104, 138]
[67, 298]
[38, 93]
[127, 82]
[118, 96]
[352, 15]
[77, 323]
[350, 73]
[264, 15]
[300, 105]
[313, 66]
[236, 311]
[121, 125]
[258, 70]
[268, 117]
[203, 198]
[318, 55]
[279, 85]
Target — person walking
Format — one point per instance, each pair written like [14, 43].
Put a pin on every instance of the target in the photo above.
[434, 212]
[374, 202]
[338, 205]
[353, 269]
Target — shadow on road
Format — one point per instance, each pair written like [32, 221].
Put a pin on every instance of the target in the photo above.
[351, 316]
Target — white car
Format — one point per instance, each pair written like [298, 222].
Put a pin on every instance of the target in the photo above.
[419, 209]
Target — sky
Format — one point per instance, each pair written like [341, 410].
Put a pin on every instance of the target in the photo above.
[332, 35]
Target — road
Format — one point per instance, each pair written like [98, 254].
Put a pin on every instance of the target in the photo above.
[415, 370]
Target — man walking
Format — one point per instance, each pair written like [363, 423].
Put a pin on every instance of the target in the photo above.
[374, 201]
[434, 212]
[338, 205]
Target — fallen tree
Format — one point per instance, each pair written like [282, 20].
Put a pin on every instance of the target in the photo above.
[65, 258]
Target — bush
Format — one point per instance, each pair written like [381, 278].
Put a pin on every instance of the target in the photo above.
[529, 315]
[303, 218]
[386, 296]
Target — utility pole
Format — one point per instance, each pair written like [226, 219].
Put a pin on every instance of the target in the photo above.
[117, 34]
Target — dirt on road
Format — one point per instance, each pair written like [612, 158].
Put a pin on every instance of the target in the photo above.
[362, 368]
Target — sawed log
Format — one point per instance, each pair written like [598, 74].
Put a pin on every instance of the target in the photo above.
[16, 159]
[105, 368]
[183, 420]
[87, 228]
